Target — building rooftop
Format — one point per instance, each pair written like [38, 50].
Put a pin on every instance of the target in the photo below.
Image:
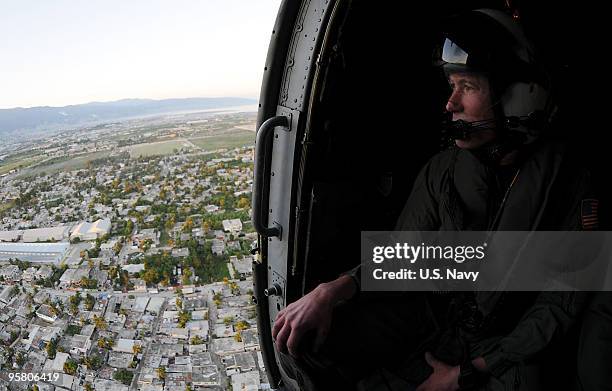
[34, 252]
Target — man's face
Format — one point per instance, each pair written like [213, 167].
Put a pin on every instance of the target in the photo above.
[471, 101]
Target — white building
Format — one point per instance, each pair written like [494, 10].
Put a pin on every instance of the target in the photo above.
[10, 273]
[243, 267]
[91, 231]
[44, 312]
[248, 381]
[124, 345]
[53, 234]
[34, 252]
[233, 225]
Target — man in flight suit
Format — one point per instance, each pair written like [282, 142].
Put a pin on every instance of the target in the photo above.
[496, 176]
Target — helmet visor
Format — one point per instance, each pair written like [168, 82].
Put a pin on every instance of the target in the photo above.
[453, 53]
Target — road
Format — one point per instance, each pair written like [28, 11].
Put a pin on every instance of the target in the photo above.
[145, 353]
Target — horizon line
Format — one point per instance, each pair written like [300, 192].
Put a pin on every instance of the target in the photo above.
[125, 99]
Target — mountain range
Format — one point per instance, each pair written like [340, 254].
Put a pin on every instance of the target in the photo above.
[20, 122]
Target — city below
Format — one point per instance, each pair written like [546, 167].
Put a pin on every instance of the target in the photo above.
[125, 257]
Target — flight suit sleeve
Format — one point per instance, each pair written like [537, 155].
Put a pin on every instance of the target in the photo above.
[420, 213]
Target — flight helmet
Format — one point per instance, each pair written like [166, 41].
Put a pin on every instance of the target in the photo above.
[492, 43]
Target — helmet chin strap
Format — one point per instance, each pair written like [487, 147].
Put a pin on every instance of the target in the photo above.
[493, 151]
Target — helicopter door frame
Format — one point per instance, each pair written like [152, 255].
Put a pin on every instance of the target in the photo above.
[285, 97]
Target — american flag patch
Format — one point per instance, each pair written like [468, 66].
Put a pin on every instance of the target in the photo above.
[589, 215]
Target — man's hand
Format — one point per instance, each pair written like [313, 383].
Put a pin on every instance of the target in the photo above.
[444, 377]
[311, 312]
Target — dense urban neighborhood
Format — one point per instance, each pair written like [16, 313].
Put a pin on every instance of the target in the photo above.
[126, 255]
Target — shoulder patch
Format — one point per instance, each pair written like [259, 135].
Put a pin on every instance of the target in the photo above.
[589, 214]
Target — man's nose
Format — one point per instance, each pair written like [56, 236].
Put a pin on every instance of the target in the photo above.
[454, 102]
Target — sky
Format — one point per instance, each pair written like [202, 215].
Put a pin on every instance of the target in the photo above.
[62, 52]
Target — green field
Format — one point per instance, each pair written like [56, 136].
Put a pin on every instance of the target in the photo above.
[76, 163]
[230, 140]
[24, 162]
[157, 148]
[6, 206]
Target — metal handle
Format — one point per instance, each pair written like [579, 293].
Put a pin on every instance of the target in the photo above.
[274, 290]
[265, 130]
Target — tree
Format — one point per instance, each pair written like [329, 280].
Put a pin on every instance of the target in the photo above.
[129, 227]
[196, 340]
[117, 247]
[90, 301]
[93, 362]
[21, 359]
[186, 279]
[70, 367]
[88, 283]
[242, 325]
[150, 276]
[184, 317]
[136, 349]
[171, 222]
[125, 279]
[188, 226]
[244, 202]
[72, 329]
[51, 348]
[124, 376]
[105, 343]
[161, 373]
[206, 225]
[217, 299]
[100, 323]
[74, 301]
[112, 272]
